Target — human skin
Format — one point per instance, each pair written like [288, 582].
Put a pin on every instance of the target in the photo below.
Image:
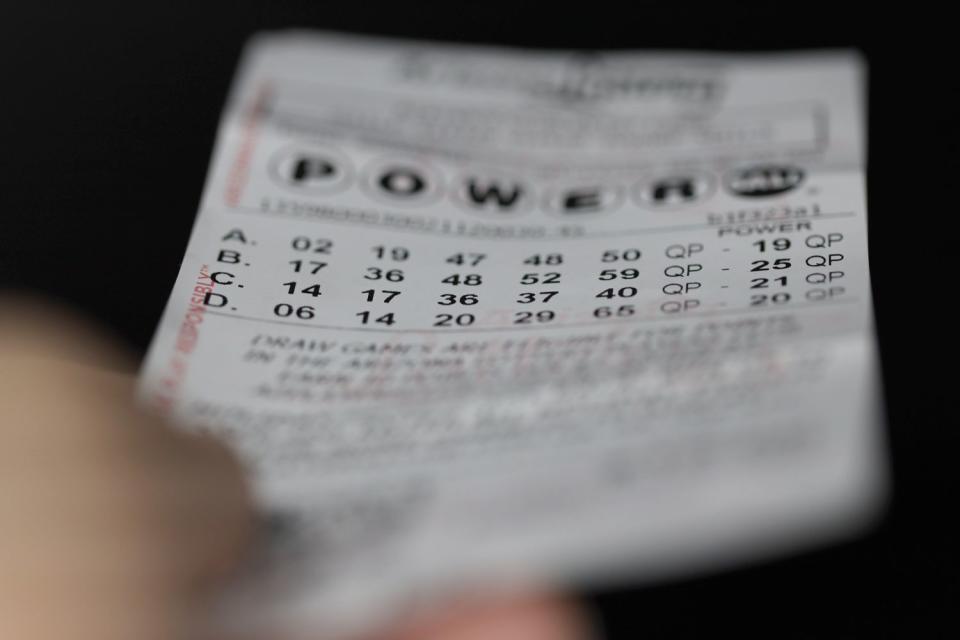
[114, 526]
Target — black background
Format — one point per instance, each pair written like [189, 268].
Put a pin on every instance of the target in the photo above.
[107, 117]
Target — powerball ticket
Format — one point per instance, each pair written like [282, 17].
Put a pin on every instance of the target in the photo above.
[480, 317]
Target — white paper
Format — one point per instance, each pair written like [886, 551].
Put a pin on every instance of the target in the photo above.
[480, 317]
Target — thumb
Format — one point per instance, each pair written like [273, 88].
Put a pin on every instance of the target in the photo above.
[111, 523]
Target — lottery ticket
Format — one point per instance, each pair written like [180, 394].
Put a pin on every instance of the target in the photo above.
[477, 317]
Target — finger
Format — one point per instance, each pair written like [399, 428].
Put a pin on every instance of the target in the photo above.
[537, 617]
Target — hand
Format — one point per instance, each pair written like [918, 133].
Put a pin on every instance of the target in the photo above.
[114, 526]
